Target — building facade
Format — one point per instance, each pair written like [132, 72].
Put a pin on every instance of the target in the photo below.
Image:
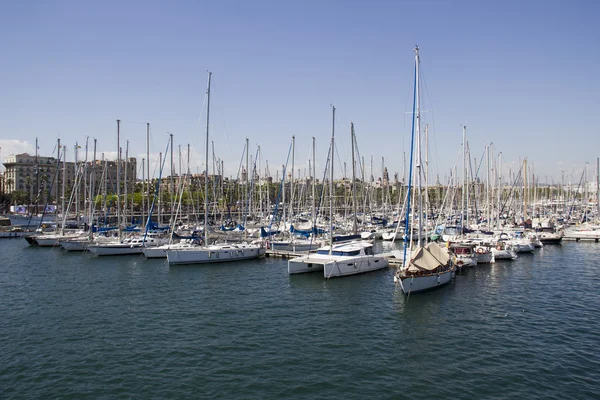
[45, 175]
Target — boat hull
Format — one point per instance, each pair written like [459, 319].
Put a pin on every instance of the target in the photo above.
[504, 254]
[412, 284]
[47, 241]
[209, 256]
[115, 250]
[74, 245]
[336, 268]
[295, 247]
[11, 234]
[155, 252]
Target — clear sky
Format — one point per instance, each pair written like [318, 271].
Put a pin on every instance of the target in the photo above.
[520, 74]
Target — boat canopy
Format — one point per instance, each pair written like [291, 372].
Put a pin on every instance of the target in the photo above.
[428, 258]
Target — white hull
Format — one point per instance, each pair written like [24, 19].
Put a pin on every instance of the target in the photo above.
[342, 266]
[115, 249]
[550, 238]
[156, 252]
[46, 241]
[294, 246]
[392, 235]
[75, 245]
[504, 254]
[214, 254]
[485, 258]
[523, 247]
[582, 234]
[371, 235]
[412, 284]
[465, 262]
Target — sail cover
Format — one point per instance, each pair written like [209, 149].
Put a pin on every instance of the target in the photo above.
[428, 258]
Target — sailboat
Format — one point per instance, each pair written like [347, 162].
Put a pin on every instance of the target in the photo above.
[197, 254]
[130, 245]
[340, 259]
[429, 266]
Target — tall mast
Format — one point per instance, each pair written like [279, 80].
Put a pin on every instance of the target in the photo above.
[206, 163]
[172, 183]
[487, 198]
[292, 178]
[158, 182]
[85, 175]
[314, 183]
[499, 188]
[37, 176]
[426, 178]
[353, 180]
[119, 178]
[418, 135]
[188, 176]
[143, 214]
[331, 183]
[58, 155]
[62, 202]
[260, 184]
[76, 185]
[464, 183]
[247, 184]
[525, 190]
[147, 167]
[92, 185]
[125, 184]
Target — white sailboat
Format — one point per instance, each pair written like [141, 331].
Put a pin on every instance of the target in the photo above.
[429, 266]
[342, 259]
[197, 254]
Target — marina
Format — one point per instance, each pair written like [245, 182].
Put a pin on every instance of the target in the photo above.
[299, 200]
[72, 322]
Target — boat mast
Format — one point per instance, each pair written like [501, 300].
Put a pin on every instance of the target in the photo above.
[418, 135]
[37, 177]
[119, 178]
[314, 177]
[353, 180]
[147, 168]
[499, 188]
[247, 185]
[426, 180]
[292, 179]
[62, 203]
[125, 185]
[206, 162]
[598, 188]
[92, 185]
[525, 190]
[464, 183]
[58, 155]
[331, 183]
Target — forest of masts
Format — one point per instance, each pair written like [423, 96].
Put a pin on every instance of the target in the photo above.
[253, 196]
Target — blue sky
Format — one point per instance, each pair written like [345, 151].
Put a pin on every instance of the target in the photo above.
[520, 74]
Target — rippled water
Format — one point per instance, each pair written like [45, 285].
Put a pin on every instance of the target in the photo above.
[73, 326]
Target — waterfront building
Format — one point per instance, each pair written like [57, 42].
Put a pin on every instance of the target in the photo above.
[27, 173]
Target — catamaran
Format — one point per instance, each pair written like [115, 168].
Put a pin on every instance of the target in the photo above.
[342, 259]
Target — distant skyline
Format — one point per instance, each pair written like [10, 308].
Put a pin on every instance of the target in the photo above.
[523, 75]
